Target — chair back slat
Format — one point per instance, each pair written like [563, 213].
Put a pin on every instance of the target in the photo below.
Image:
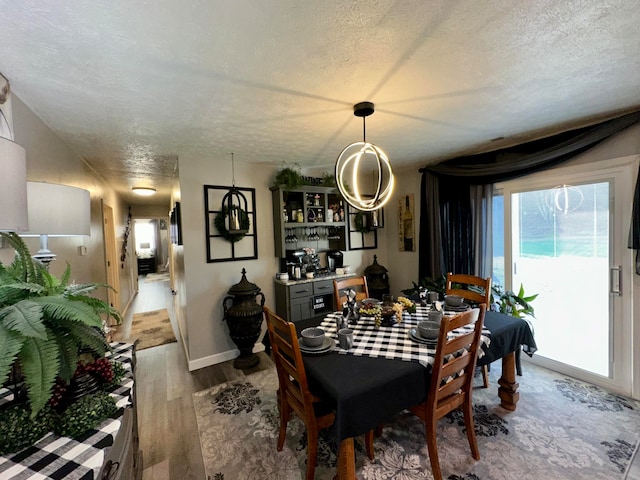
[451, 382]
[462, 365]
[457, 343]
[451, 389]
[287, 357]
[458, 284]
[455, 366]
[340, 288]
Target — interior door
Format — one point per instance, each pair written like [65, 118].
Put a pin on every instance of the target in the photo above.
[111, 255]
[565, 239]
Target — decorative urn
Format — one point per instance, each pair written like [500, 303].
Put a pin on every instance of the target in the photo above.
[377, 279]
[244, 318]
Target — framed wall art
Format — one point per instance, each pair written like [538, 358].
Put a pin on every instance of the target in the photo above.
[362, 233]
[221, 245]
[406, 223]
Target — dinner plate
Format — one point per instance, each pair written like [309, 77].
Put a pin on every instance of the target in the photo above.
[327, 345]
[462, 308]
[415, 336]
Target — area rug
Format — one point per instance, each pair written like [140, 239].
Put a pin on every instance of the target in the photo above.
[156, 277]
[152, 329]
[563, 429]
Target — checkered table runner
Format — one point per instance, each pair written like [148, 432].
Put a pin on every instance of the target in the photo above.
[392, 342]
[54, 457]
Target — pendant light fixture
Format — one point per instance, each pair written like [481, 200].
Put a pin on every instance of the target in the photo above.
[234, 205]
[356, 162]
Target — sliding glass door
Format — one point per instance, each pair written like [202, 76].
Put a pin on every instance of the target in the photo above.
[564, 240]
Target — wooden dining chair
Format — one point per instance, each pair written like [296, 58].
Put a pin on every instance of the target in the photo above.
[451, 383]
[475, 290]
[340, 288]
[293, 392]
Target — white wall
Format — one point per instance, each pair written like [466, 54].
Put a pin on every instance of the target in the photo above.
[207, 284]
[50, 160]
[201, 291]
[402, 266]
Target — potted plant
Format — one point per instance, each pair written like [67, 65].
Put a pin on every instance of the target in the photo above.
[430, 284]
[289, 177]
[46, 324]
[507, 302]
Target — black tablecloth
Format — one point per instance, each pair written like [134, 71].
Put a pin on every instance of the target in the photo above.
[369, 391]
[366, 391]
[507, 335]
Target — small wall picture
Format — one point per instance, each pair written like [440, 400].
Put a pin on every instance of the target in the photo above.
[406, 223]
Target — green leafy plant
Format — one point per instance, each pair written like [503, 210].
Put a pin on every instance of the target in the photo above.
[431, 284]
[328, 180]
[219, 223]
[85, 414]
[289, 177]
[18, 429]
[507, 302]
[45, 323]
[118, 374]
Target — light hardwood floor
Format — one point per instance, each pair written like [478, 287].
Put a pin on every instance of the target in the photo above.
[167, 423]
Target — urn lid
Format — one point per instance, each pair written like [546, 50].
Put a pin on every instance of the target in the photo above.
[375, 268]
[244, 287]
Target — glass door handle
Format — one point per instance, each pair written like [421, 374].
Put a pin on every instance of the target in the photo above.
[615, 280]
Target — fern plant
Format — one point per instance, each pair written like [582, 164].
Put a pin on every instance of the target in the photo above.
[45, 323]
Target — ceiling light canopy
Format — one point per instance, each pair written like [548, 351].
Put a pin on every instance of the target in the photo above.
[144, 191]
[363, 171]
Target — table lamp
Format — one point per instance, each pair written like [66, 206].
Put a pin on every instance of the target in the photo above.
[56, 211]
[13, 187]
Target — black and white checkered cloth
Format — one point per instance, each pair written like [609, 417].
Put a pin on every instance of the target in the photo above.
[54, 457]
[392, 342]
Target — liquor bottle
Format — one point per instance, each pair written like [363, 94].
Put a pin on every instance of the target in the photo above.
[407, 226]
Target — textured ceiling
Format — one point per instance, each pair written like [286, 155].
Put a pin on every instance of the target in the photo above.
[134, 85]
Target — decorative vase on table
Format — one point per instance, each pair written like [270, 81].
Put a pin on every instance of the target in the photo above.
[244, 318]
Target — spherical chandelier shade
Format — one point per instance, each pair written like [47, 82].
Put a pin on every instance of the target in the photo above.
[363, 172]
[352, 172]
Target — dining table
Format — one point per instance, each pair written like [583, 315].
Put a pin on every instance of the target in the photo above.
[387, 371]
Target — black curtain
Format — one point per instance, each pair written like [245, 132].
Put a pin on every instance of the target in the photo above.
[448, 190]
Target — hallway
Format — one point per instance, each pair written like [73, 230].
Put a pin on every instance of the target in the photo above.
[152, 295]
[164, 386]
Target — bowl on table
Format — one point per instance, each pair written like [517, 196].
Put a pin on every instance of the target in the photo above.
[370, 301]
[429, 330]
[312, 336]
[453, 300]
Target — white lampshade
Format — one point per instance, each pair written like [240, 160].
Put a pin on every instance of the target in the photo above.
[13, 187]
[58, 210]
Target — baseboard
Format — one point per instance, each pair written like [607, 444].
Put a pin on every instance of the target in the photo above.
[199, 363]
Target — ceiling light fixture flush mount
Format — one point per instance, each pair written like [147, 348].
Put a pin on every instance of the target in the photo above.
[144, 191]
[358, 163]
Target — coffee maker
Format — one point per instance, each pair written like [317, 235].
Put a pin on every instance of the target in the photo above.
[294, 263]
[334, 260]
